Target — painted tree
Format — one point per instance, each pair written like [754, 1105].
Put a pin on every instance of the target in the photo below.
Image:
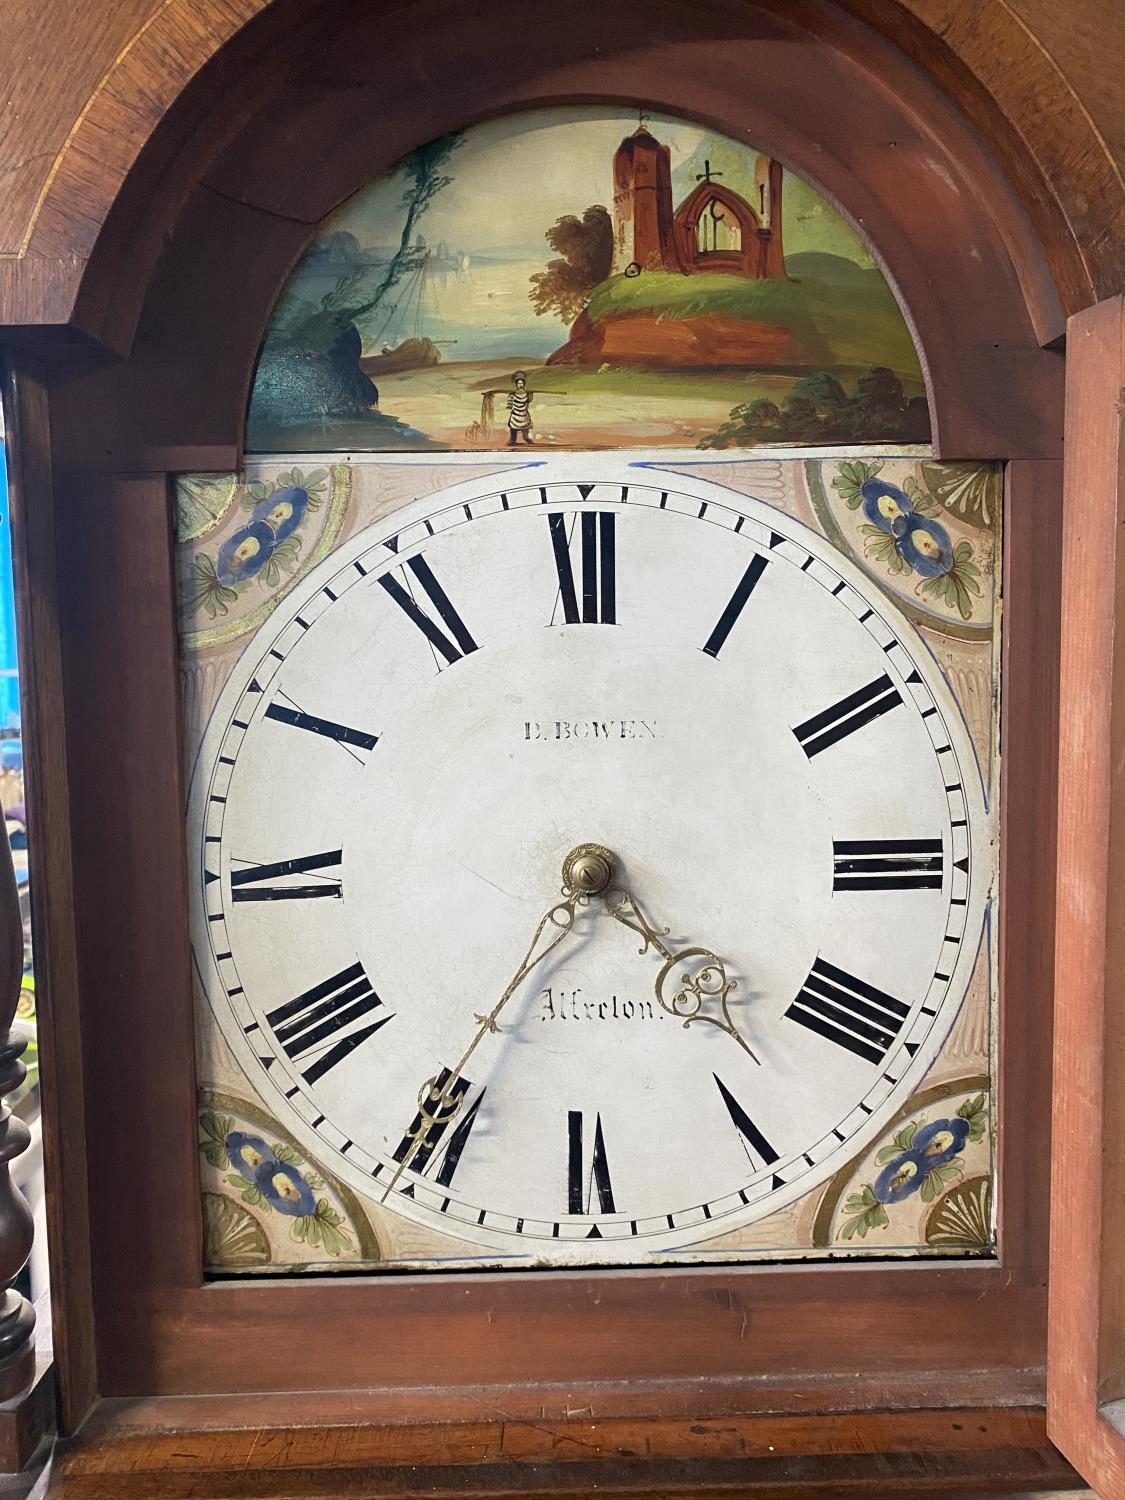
[309, 363]
[350, 300]
[585, 258]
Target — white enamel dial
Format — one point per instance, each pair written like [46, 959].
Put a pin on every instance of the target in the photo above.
[586, 651]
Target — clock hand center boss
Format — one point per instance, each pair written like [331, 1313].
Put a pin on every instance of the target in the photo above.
[587, 871]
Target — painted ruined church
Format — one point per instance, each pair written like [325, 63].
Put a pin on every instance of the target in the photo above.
[713, 229]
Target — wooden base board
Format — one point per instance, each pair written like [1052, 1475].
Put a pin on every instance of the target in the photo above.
[129, 1450]
[28, 1417]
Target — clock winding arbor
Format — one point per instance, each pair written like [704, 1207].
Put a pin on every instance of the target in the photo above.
[157, 201]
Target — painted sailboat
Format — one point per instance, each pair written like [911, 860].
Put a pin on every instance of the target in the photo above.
[416, 351]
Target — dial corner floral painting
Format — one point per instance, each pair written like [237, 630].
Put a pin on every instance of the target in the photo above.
[593, 856]
[590, 718]
[585, 277]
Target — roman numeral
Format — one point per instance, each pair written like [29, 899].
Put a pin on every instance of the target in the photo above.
[757, 1148]
[449, 1154]
[245, 885]
[848, 1011]
[886, 864]
[312, 1025]
[735, 605]
[462, 1125]
[580, 1186]
[341, 733]
[597, 563]
[844, 718]
[458, 642]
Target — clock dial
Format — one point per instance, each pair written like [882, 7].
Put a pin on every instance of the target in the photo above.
[459, 696]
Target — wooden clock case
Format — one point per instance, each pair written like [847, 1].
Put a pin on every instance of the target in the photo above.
[185, 194]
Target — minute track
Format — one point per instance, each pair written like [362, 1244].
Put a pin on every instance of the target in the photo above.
[711, 512]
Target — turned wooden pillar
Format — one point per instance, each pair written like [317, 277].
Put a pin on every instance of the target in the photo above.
[17, 1316]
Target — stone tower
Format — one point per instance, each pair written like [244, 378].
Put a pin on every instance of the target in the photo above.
[769, 175]
[642, 203]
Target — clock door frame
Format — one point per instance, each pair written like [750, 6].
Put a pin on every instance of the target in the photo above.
[1086, 1354]
[210, 221]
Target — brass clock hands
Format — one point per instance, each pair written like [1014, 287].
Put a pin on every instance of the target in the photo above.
[587, 871]
[438, 1104]
[700, 972]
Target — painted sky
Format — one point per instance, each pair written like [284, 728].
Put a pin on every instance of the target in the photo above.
[514, 176]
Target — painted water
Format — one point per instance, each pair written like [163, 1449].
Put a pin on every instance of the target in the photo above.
[528, 237]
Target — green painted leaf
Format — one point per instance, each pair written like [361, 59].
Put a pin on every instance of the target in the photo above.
[937, 1177]
[255, 492]
[336, 1241]
[873, 1217]
[974, 1111]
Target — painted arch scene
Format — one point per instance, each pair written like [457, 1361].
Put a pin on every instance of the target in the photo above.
[585, 278]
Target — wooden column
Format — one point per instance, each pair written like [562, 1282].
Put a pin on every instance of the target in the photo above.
[17, 1229]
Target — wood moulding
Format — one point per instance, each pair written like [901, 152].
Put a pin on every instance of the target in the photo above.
[233, 1449]
[985, 57]
[203, 233]
[830, 99]
[1086, 1354]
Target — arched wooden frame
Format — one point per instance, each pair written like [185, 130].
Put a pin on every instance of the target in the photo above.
[206, 227]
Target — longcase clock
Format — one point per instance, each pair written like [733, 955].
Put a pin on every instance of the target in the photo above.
[549, 748]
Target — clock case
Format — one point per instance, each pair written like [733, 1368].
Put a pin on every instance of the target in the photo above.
[848, 1378]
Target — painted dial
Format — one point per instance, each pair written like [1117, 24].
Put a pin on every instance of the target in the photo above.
[462, 693]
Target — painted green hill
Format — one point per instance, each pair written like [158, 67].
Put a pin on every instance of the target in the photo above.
[855, 327]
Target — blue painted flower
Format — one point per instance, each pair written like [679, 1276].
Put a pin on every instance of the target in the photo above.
[283, 511]
[245, 553]
[247, 1153]
[886, 506]
[284, 1188]
[940, 1141]
[933, 1146]
[901, 1177]
[926, 547]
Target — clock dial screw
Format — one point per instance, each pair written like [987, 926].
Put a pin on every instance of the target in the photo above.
[587, 869]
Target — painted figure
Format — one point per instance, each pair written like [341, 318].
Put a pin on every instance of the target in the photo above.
[519, 410]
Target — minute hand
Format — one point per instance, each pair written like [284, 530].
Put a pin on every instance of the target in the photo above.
[439, 1105]
[701, 977]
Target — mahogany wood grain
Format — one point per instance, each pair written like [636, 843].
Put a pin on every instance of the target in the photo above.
[201, 236]
[922, 1452]
[1028, 74]
[1087, 1312]
[122, 69]
[830, 99]
[1029, 797]
[773, 1330]
[47, 792]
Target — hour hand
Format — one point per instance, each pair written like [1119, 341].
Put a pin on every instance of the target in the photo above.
[692, 981]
